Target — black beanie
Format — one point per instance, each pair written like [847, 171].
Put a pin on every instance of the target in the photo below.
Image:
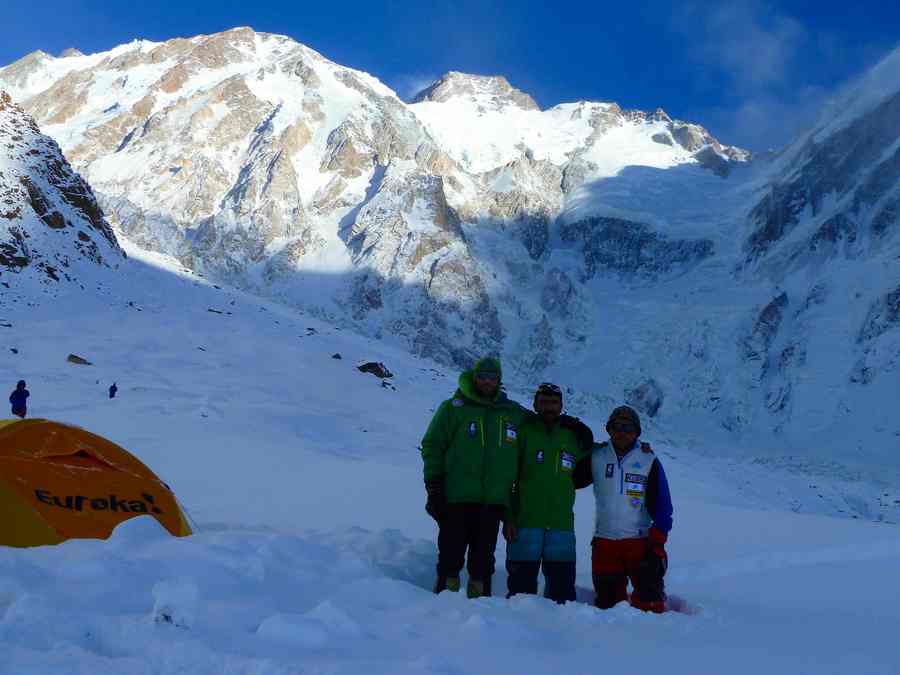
[624, 412]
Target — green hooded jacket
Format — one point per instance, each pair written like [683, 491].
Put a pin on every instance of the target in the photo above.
[471, 443]
[545, 497]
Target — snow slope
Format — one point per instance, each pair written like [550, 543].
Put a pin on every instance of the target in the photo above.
[313, 552]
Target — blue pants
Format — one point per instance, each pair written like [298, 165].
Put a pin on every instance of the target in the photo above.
[554, 550]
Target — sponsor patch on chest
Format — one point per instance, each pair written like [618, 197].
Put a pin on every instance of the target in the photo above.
[509, 432]
[635, 484]
[539, 457]
[567, 460]
[473, 429]
[610, 470]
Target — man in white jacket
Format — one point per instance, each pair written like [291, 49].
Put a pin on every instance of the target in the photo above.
[633, 516]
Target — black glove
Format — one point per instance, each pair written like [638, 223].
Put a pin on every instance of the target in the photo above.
[656, 560]
[581, 430]
[437, 501]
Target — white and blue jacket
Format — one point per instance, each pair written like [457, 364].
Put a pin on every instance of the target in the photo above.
[631, 492]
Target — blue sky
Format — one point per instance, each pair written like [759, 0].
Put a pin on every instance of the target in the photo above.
[750, 70]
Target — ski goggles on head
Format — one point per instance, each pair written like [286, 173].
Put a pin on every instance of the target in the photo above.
[549, 389]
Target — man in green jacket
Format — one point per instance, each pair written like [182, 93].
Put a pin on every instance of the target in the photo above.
[471, 462]
[541, 531]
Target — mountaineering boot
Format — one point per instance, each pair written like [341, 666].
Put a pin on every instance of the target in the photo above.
[443, 583]
[475, 588]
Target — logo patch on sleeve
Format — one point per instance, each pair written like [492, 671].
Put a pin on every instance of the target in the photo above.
[610, 470]
[567, 460]
[458, 403]
[539, 457]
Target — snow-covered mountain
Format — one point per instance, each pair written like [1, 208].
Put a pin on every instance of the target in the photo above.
[254, 158]
[624, 254]
[53, 230]
[312, 551]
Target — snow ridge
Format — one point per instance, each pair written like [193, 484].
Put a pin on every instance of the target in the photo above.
[54, 229]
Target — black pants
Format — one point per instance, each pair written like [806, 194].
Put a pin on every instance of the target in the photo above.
[472, 527]
[559, 578]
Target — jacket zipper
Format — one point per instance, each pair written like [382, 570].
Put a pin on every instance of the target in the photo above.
[484, 459]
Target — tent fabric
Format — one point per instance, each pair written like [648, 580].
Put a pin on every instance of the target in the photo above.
[60, 482]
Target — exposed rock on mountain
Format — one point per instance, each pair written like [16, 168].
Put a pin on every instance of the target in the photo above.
[632, 249]
[256, 160]
[476, 88]
[51, 226]
[630, 254]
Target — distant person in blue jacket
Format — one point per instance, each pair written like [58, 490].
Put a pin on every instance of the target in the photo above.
[18, 399]
[633, 516]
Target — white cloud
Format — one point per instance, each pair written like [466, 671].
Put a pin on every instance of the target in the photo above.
[764, 122]
[760, 57]
[410, 84]
[751, 43]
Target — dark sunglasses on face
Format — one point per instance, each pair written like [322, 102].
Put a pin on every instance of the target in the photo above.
[490, 377]
[623, 427]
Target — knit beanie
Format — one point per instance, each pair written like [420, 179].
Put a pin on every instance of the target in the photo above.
[626, 414]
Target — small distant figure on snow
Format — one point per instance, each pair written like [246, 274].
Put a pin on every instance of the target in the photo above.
[18, 399]
[112, 390]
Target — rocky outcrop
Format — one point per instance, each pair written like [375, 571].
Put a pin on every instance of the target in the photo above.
[647, 397]
[847, 180]
[252, 158]
[487, 90]
[756, 345]
[883, 316]
[50, 221]
[632, 250]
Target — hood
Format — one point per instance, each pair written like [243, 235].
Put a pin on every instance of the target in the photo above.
[467, 389]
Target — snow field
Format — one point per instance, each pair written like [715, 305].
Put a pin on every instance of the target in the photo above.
[313, 552]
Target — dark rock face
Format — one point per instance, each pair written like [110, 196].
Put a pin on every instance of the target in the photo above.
[850, 160]
[542, 345]
[377, 369]
[713, 161]
[14, 253]
[647, 397]
[884, 315]
[633, 249]
[494, 87]
[833, 230]
[756, 346]
[51, 215]
[558, 291]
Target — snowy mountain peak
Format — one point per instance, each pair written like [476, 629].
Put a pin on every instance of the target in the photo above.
[71, 51]
[51, 227]
[493, 92]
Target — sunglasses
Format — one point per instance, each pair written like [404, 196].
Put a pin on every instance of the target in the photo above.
[623, 427]
[488, 377]
[548, 388]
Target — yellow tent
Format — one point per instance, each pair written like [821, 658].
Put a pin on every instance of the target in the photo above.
[60, 482]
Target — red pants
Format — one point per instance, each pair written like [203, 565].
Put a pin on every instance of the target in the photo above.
[614, 562]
